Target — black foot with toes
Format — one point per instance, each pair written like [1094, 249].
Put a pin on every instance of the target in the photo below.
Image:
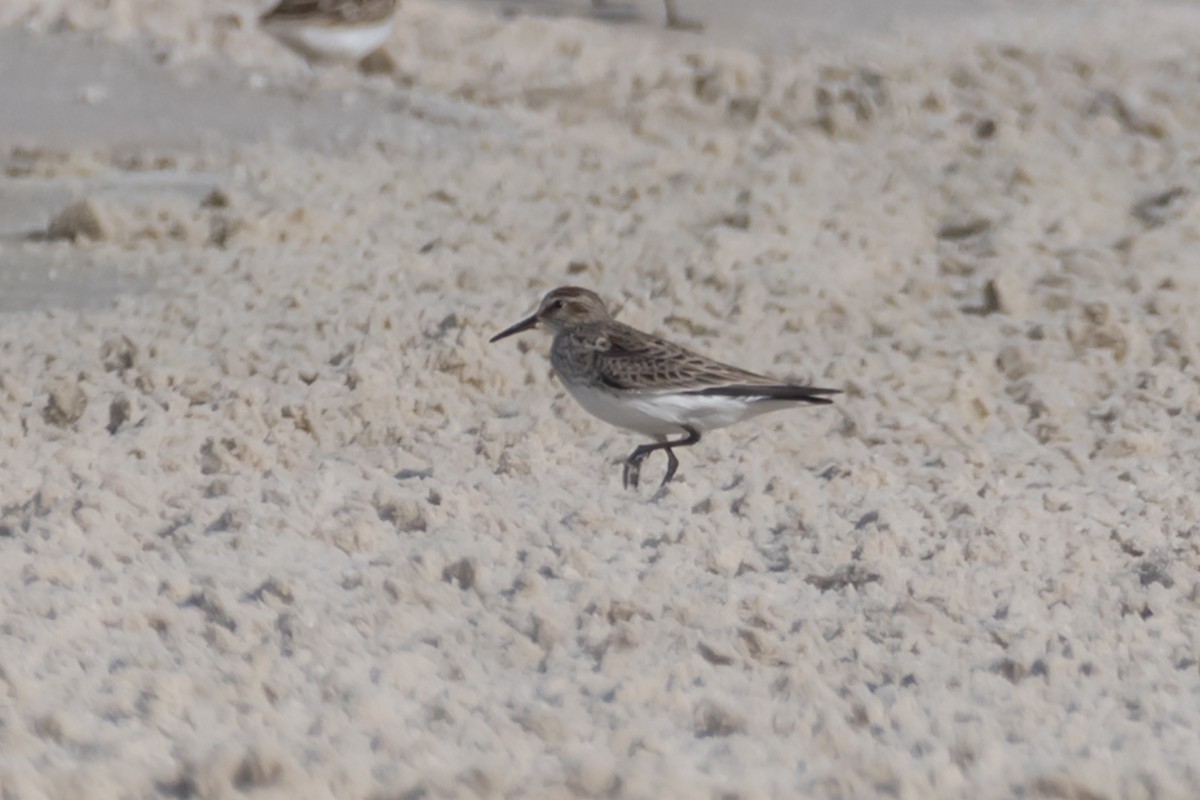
[633, 464]
[633, 469]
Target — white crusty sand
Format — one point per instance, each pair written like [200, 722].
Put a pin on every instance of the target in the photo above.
[275, 519]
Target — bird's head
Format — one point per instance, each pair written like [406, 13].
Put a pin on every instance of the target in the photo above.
[561, 308]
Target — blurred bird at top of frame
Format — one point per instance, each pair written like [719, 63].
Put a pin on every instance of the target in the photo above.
[331, 30]
[674, 21]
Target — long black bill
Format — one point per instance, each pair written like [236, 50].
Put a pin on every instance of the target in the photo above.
[523, 325]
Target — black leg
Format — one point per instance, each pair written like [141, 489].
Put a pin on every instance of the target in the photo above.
[633, 464]
[693, 436]
[672, 465]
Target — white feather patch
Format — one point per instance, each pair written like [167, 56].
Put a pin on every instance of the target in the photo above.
[349, 43]
[665, 414]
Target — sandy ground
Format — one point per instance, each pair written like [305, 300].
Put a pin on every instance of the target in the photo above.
[276, 520]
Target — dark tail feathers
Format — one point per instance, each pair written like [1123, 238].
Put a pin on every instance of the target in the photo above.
[803, 394]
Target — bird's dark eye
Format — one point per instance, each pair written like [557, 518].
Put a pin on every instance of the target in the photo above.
[557, 305]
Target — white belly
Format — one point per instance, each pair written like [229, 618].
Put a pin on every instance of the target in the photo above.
[349, 43]
[664, 414]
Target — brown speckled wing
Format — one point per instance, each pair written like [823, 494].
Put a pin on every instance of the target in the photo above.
[630, 360]
[349, 12]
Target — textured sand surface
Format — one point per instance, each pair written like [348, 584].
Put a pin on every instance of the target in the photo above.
[276, 520]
